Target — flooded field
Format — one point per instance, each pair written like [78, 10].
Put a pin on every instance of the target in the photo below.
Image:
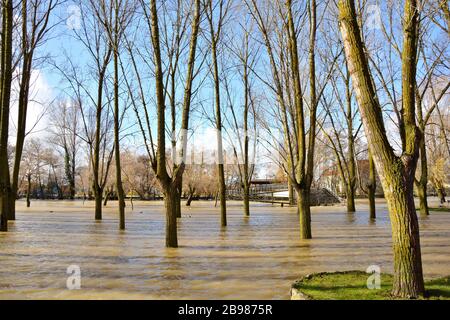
[253, 258]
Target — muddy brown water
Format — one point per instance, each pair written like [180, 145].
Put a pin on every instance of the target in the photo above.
[253, 258]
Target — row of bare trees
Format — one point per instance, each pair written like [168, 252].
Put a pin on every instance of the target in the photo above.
[44, 175]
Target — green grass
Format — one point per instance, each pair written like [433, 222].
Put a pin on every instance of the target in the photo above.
[351, 285]
[437, 209]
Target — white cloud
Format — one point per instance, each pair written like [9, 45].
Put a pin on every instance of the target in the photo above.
[40, 97]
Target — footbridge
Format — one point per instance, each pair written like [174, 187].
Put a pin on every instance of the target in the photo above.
[278, 193]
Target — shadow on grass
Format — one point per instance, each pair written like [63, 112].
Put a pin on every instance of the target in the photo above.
[438, 288]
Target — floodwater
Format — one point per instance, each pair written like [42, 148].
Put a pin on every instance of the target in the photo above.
[253, 258]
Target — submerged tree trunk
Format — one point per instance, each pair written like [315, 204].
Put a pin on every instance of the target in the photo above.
[441, 195]
[4, 206]
[119, 185]
[169, 184]
[304, 212]
[190, 197]
[108, 194]
[22, 113]
[96, 167]
[215, 34]
[350, 198]
[98, 203]
[246, 199]
[28, 190]
[170, 203]
[12, 197]
[303, 175]
[222, 196]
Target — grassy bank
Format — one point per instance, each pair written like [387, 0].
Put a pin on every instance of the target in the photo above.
[352, 285]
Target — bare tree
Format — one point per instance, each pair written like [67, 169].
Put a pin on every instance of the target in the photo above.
[216, 13]
[64, 135]
[157, 154]
[297, 148]
[115, 16]
[6, 78]
[342, 126]
[436, 142]
[430, 61]
[35, 31]
[175, 42]
[92, 96]
[396, 172]
[243, 119]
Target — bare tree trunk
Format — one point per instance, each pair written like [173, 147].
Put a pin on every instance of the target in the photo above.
[170, 203]
[397, 173]
[351, 186]
[441, 195]
[303, 206]
[215, 34]
[6, 78]
[73, 173]
[302, 187]
[108, 193]
[408, 278]
[222, 196]
[422, 183]
[169, 184]
[371, 187]
[291, 194]
[97, 183]
[190, 197]
[69, 167]
[119, 185]
[246, 200]
[350, 198]
[309, 170]
[291, 189]
[179, 194]
[22, 113]
[98, 194]
[28, 190]
[38, 16]
[12, 197]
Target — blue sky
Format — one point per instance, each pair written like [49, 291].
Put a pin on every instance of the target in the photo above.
[63, 41]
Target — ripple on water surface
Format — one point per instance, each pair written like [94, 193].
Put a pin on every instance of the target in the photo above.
[256, 257]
